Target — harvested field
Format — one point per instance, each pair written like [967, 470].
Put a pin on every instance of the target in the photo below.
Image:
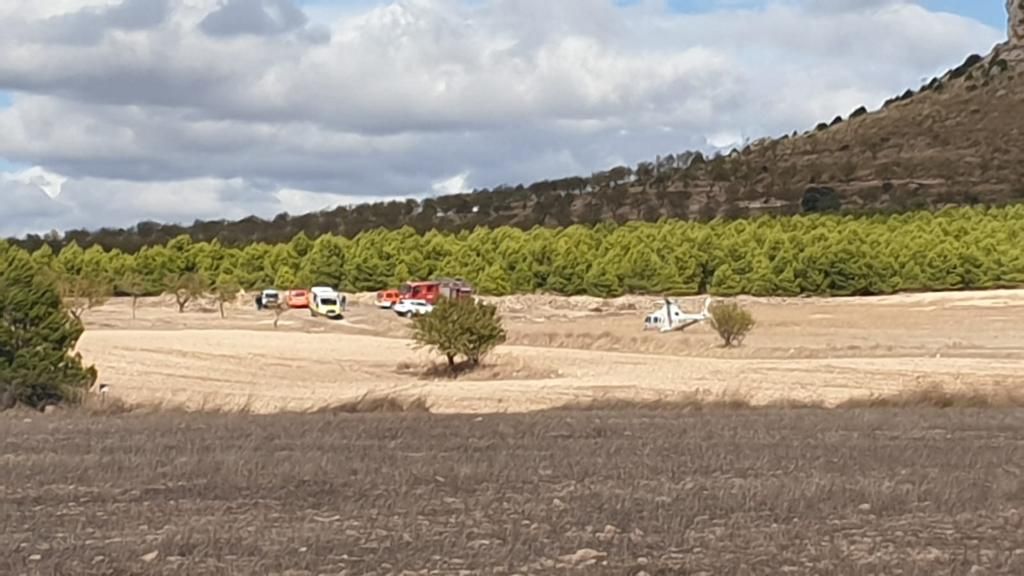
[562, 350]
[767, 492]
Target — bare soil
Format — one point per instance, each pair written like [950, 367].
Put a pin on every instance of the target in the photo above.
[809, 492]
[560, 350]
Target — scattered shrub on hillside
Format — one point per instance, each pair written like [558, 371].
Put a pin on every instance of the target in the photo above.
[37, 337]
[731, 321]
[962, 70]
[821, 199]
[859, 112]
[460, 327]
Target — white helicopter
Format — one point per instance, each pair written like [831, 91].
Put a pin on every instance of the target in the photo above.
[670, 318]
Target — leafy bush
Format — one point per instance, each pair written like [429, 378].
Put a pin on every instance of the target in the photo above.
[962, 70]
[820, 199]
[37, 336]
[731, 321]
[460, 327]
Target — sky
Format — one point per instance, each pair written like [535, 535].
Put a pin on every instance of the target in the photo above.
[116, 111]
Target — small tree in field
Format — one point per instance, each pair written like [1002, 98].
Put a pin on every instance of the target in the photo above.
[460, 327]
[81, 294]
[186, 287]
[278, 309]
[731, 321]
[226, 289]
[133, 285]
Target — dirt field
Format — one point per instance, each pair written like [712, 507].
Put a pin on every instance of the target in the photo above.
[560, 350]
[809, 492]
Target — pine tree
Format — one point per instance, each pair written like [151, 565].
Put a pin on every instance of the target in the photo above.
[366, 272]
[601, 282]
[325, 263]
[942, 269]
[285, 278]
[44, 258]
[725, 282]
[494, 281]
[37, 336]
[301, 245]
[69, 261]
[761, 281]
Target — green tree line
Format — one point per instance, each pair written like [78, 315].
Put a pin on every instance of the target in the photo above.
[960, 248]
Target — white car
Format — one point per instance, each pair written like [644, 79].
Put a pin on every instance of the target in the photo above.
[268, 299]
[407, 308]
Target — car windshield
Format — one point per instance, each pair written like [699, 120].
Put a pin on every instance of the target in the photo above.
[328, 302]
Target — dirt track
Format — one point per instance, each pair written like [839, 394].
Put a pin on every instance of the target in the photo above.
[561, 350]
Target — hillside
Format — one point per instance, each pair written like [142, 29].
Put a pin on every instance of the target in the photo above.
[950, 143]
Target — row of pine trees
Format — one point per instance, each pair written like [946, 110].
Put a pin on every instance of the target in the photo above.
[962, 248]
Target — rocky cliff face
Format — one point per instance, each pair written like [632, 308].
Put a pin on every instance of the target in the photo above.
[1015, 34]
[1015, 8]
[1013, 49]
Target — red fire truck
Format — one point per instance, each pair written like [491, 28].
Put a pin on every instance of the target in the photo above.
[433, 290]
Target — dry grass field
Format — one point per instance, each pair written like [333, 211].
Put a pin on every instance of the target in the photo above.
[605, 488]
[808, 492]
[561, 350]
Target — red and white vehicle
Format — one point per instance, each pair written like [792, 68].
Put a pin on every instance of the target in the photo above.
[433, 290]
[387, 299]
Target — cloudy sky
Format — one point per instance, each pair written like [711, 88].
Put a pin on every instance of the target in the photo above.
[113, 111]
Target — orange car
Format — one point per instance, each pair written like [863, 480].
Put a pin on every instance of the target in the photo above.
[388, 298]
[297, 299]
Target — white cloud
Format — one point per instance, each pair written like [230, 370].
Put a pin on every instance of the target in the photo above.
[280, 109]
[37, 177]
[457, 184]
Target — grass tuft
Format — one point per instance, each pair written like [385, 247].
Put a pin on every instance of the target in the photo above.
[367, 404]
[940, 397]
[687, 402]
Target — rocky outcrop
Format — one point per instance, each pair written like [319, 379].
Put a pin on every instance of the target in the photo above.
[1013, 49]
[1015, 8]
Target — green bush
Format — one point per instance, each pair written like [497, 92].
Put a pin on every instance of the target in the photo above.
[37, 337]
[731, 321]
[461, 327]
